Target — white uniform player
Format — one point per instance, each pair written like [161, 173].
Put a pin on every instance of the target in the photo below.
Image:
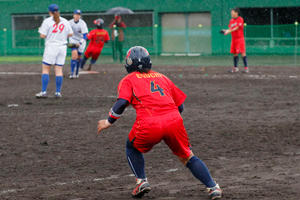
[55, 30]
[79, 38]
[79, 28]
[55, 41]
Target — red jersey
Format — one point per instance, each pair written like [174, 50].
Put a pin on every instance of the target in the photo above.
[237, 22]
[98, 37]
[151, 94]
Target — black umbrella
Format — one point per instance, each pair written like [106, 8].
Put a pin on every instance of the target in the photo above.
[119, 10]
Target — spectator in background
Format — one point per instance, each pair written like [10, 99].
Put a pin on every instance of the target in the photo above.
[117, 36]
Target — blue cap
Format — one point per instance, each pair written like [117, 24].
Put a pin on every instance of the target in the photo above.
[53, 8]
[77, 11]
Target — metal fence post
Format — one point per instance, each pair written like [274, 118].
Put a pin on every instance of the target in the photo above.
[296, 42]
[5, 41]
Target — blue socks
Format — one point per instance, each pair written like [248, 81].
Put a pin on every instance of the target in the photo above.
[58, 80]
[135, 161]
[245, 61]
[77, 66]
[235, 61]
[200, 171]
[45, 81]
[73, 65]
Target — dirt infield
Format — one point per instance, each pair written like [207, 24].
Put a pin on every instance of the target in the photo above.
[245, 127]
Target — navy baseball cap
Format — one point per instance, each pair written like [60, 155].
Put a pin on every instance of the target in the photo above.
[53, 8]
[77, 11]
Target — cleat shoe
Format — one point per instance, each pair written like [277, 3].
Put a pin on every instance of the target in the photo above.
[71, 76]
[58, 95]
[234, 70]
[142, 187]
[215, 192]
[246, 70]
[41, 95]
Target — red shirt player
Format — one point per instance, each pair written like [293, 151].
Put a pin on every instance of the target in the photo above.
[158, 104]
[97, 39]
[236, 28]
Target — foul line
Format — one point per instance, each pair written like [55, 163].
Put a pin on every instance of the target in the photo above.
[38, 73]
[112, 177]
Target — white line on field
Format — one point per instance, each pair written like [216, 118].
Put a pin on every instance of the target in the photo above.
[213, 76]
[8, 191]
[39, 73]
[20, 73]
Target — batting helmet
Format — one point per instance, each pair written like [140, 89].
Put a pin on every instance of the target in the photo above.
[99, 22]
[138, 59]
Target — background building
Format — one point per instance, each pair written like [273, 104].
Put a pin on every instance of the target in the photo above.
[165, 26]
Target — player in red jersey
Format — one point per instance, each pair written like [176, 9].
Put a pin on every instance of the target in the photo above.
[236, 28]
[97, 39]
[158, 104]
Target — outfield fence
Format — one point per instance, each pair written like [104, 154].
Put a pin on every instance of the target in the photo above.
[200, 40]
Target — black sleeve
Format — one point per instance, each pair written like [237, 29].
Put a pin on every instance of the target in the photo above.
[181, 108]
[117, 110]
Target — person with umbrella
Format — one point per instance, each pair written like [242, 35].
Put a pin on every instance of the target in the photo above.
[117, 36]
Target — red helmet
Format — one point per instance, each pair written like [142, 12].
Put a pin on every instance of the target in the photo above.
[117, 16]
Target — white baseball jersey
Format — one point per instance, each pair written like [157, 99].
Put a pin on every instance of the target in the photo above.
[56, 34]
[79, 28]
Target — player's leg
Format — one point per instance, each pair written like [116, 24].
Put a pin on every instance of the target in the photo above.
[244, 56]
[141, 139]
[236, 61]
[234, 51]
[60, 61]
[78, 64]
[114, 49]
[137, 164]
[178, 142]
[49, 58]
[245, 61]
[94, 59]
[73, 62]
[87, 55]
[120, 49]
[45, 80]
[58, 79]
[80, 51]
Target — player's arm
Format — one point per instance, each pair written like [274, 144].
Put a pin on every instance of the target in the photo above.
[115, 113]
[124, 98]
[84, 30]
[43, 30]
[69, 29]
[230, 30]
[177, 95]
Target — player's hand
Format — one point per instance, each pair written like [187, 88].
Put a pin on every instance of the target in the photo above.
[103, 124]
[227, 32]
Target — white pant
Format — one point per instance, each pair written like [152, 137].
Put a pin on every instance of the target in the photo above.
[55, 54]
[81, 45]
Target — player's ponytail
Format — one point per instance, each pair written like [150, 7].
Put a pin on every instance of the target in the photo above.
[56, 17]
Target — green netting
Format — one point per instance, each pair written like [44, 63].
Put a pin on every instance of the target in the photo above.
[203, 40]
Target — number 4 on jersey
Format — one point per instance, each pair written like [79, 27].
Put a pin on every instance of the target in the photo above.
[157, 88]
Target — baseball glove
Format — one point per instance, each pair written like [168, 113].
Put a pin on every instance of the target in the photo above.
[72, 45]
[223, 31]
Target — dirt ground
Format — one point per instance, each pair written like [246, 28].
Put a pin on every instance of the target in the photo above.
[245, 127]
